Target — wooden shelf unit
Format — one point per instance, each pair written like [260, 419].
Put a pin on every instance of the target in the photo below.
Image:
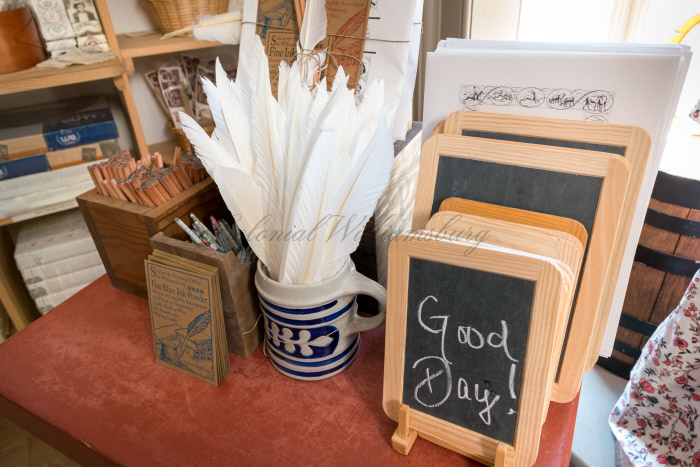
[14, 297]
[48, 77]
[149, 43]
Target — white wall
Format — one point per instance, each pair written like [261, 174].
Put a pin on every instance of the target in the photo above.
[565, 20]
[663, 19]
[682, 148]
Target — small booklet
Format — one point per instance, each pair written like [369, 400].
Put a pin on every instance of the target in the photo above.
[187, 317]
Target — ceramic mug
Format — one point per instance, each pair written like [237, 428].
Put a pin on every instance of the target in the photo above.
[312, 330]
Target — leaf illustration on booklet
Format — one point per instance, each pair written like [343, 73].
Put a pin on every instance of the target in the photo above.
[187, 316]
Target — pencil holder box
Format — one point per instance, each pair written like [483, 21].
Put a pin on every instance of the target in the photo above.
[122, 230]
[239, 297]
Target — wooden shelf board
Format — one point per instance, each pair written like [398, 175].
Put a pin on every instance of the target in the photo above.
[39, 78]
[151, 44]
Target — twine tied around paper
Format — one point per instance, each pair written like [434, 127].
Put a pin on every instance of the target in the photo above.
[307, 55]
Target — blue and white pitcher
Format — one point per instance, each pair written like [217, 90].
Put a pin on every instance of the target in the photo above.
[312, 331]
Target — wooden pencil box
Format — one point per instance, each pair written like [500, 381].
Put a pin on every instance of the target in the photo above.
[122, 230]
[239, 297]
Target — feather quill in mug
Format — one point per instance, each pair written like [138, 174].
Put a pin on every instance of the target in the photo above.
[302, 173]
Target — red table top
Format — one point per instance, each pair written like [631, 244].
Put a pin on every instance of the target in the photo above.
[84, 378]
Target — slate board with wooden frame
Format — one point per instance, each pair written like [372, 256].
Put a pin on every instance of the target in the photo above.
[492, 314]
[519, 216]
[586, 186]
[553, 244]
[568, 382]
[632, 143]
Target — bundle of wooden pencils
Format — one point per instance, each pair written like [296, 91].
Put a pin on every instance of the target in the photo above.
[146, 181]
[192, 166]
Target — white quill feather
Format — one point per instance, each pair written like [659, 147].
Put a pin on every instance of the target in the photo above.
[313, 30]
[240, 193]
[357, 198]
[295, 171]
[268, 123]
[224, 28]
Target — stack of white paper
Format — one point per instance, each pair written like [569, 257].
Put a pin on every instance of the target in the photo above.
[391, 34]
[393, 30]
[634, 84]
[39, 194]
[404, 110]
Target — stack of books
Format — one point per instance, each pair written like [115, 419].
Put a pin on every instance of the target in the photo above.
[39, 150]
[187, 316]
[56, 258]
[58, 139]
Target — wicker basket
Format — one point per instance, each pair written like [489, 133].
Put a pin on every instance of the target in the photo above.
[172, 15]
[182, 141]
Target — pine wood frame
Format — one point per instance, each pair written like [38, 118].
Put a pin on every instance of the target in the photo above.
[550, 290]
[519, 216]
[615, 172]
[553, 244]
[551, 225]
[637, 143]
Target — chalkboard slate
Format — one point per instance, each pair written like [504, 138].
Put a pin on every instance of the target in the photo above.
[469, 307]
[548, 192]
[433, 286]
[544, 191]
[620, 141]
[560, 143]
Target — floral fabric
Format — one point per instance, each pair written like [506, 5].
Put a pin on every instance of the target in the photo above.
[656, 418]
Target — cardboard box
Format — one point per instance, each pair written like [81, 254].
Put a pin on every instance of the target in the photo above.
[24, 166]
[53, 160]
[84, 127]
[64, 237]
[52, 18]
[21, 142]
[239, 298]
[61, 45]
[61, 267]
[60, 283]
[83, 17]
[49, 302]
[30, 131]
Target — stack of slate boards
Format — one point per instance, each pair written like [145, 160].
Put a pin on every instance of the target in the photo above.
[501, 199]
[625, 84]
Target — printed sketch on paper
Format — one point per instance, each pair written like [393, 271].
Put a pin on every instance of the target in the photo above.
[83, 16]
[588, 105]
[273, 13]
[188, 348]
[364, 77]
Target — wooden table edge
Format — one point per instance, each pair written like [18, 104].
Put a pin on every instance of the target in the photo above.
[80, 452]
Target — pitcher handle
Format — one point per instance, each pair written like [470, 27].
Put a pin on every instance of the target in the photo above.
[358, 284]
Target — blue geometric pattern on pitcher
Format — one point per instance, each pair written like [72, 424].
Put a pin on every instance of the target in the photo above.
[300, 311]
[304, 343]
[265, 306]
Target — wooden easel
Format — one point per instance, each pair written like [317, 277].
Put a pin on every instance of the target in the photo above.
[404, 437]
